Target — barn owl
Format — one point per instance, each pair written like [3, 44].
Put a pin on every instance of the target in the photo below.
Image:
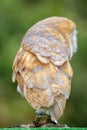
[42, 68]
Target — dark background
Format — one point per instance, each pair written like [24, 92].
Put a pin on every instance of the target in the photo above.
[16, 16]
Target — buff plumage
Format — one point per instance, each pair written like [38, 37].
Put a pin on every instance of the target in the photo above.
[42, 68]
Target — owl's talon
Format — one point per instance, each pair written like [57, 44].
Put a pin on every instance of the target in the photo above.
[36, 122]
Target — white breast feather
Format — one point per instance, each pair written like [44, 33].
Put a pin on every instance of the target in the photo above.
[73, 44]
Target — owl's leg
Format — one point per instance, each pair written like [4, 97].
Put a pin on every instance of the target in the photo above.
[40, 114]
[47, 122]
[36, 121]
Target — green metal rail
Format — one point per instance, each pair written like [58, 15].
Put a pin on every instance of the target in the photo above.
[41, 128]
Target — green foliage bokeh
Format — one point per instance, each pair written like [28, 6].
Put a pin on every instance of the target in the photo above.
[16, 16]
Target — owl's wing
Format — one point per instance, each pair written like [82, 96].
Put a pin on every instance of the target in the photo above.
[47, 50]
[47, 43]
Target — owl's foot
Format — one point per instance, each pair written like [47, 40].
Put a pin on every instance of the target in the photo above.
[42, 123]
[36, 122]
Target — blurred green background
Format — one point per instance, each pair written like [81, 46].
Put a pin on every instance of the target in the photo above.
[16, 16]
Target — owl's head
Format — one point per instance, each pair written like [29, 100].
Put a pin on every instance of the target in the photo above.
[51, 35]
